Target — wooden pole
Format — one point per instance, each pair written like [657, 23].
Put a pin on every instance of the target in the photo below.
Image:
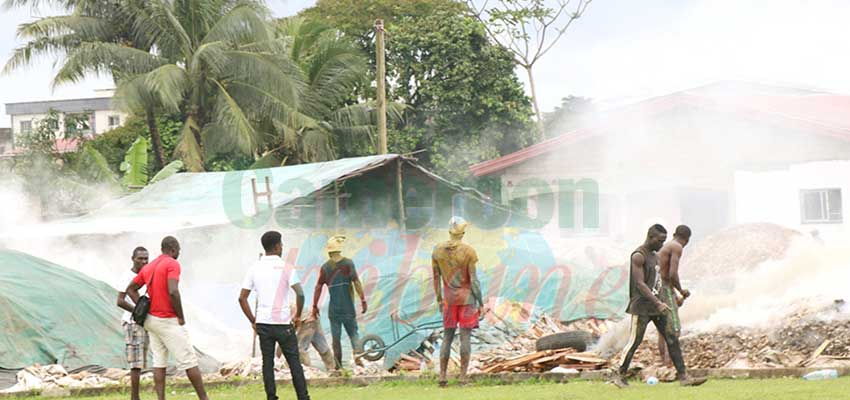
[382, 89]
[336, 205]
[400, 191]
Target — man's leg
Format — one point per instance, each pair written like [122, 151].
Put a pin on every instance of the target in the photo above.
[197, 380]
[160, 355]
[336, 341]
[637, 329]
[134, 338]
[445, 352]
[135, 374]
[176, 340]
[465, 350]
[350, 325]
[159, 382]
[321, 345]
[662, 351]
[665, 329]
[266, 334]
[288, 341]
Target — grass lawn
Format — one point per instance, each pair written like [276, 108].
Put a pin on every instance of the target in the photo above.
[774, 389]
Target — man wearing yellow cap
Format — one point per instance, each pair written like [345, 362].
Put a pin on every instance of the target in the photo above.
[453, 264]
[340, 276]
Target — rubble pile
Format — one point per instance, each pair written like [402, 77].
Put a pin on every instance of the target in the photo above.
[253, 368]
[803, 338]
[53, 377]
[517, 352]
[542, 361]
[722, 252]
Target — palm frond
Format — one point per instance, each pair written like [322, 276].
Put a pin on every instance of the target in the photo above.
[188, 149]
[169, 84]
[103, 58]
[84, 27]
[243, 24]
[230, 115]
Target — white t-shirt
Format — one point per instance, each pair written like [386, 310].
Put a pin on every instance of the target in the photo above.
[272, 279]
[121, 285]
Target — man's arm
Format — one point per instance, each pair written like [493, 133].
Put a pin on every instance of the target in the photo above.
[358, 287]
[438, 290]
[476, 285]
[645, 291]
[675, 256]
[174, 294]
[246, 308]
[122, 302]
[317, 292]
[299, 304]
[133, 291]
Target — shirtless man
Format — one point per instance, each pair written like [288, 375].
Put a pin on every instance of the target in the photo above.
[668, 261]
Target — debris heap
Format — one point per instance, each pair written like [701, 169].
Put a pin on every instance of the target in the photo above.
[805, 338]
[518, 354]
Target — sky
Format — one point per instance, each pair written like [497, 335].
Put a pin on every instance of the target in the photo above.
[619, 50]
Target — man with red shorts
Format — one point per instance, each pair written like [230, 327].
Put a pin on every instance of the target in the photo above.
[459, 296]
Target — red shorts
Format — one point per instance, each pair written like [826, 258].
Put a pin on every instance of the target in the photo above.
[464, 316]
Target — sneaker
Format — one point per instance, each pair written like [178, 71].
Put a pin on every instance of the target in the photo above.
[692, 381]
[620, 382]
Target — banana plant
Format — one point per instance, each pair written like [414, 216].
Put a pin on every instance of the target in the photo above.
[135, 165]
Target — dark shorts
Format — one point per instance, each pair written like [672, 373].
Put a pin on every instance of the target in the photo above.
[464, 316]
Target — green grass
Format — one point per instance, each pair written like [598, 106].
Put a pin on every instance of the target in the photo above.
[772, 389]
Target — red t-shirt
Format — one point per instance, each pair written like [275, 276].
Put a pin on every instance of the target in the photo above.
[162, 268]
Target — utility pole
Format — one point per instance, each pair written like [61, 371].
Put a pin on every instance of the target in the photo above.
[382, 87]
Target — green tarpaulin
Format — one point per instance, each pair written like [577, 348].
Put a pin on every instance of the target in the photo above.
[50, 314]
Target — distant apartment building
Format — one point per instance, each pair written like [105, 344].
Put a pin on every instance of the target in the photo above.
[95, 115]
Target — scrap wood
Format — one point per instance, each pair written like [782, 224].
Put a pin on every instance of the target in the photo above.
[817, 352]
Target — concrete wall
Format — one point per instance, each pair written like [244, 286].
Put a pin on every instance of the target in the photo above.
[774, 196]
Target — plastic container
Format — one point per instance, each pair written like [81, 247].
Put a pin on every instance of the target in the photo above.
[652, 380]
[821, 375]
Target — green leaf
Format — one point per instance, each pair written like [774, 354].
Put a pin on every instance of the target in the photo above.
[135, 165]
[270, 160]
[93, 164]
[169, 170]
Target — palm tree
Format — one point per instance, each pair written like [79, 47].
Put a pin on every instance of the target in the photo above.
[330, 114]
[87, 21]
[216, 61]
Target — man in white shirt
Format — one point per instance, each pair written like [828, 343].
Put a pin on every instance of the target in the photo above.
[276, 283]
[135, 336]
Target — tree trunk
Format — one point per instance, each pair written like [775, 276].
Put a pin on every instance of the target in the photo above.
[158, 151]
[540, 135]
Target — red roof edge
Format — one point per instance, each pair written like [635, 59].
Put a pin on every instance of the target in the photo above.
[651, 107]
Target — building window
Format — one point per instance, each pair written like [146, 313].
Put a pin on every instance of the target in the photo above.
[114, 121]
[821, 206]
[26, 127]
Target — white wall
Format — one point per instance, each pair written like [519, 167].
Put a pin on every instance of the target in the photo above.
[774, 196]
[101, 121]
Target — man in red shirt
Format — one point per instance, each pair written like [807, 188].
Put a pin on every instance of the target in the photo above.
[165, 321]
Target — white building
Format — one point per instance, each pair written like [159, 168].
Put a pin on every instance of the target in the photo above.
[807, 197]
[675, 159]
[100, 115]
